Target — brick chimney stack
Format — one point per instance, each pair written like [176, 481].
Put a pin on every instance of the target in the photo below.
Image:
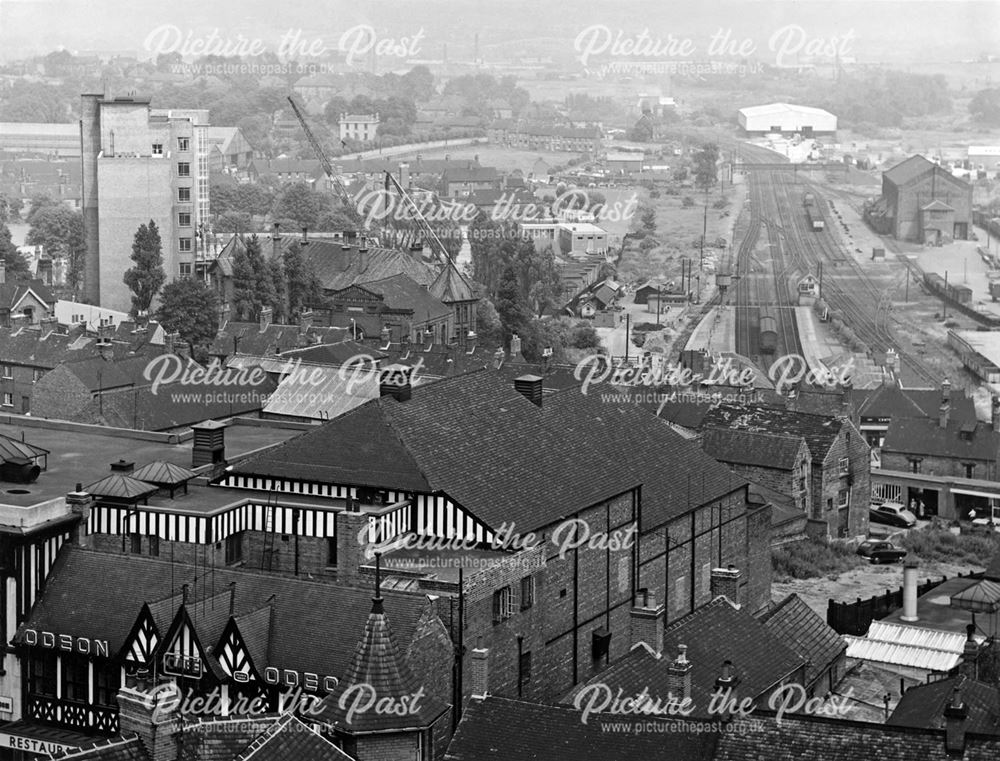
[350, 549]
[150, 715]
[995, 414]
[955, 714]
[265, 318]
[79, 503]
[726, 582]
[945, 409]
[970, 654]
[647, 624]
[679, 675]
[480, 672]
[726, 684]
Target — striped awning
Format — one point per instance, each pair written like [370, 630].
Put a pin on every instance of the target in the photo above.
[981, 597]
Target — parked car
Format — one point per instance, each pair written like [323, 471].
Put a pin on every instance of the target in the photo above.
[881, 552]
[892, 514]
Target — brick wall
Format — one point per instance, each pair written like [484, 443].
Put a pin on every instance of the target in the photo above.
[756, 593]
[388, 747]
[576, 592]
[939, 466]
[829, 481]
[676, 559]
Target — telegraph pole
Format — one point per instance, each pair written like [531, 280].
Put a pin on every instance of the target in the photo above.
[945, 294]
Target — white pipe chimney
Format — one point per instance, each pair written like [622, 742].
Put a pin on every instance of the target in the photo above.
[909, 591]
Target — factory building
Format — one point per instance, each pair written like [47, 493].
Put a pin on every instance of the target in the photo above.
[922, 202]
[784, 118]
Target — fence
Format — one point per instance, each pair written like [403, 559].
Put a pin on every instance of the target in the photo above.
[855, 617]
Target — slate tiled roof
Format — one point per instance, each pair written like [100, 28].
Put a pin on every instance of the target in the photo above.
[713, 634]
[315, 626]
[819, 431]
[513, 730]
[451, 286]
[290, 739]
[177, 405]
[322, 393]
[685, 414]
[333, 353]
[923, 705]
[378, 663]
[494, 452]
[274, 339]
[805, 632]
[763, 450]
[338, 266]
[97, 373]
[908, 170]
[921, 436]
[799, 738]
[893, 402]
[11, 293]
[403, 292]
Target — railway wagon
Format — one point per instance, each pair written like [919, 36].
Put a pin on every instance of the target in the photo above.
[960, 294]
[808, 200]
[768, 331]
[815, 219]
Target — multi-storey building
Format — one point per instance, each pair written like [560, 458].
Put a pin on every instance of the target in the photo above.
[141, 164]
[363, 127]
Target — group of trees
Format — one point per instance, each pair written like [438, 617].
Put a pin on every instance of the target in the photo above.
[885, 98]
[985, 107]
[522, 284]
[476, 91]
[59, 230]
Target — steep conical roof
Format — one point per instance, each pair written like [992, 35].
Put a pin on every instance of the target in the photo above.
[379, 671]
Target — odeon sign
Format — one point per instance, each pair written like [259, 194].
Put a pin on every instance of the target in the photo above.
[83, 645]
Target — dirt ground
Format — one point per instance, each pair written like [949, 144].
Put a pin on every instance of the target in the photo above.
[863, 582]
[504, 159]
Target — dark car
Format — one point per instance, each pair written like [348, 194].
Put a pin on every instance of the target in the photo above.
[892, 514]
[881, 552]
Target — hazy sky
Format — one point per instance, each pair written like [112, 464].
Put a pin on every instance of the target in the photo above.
[883, 29]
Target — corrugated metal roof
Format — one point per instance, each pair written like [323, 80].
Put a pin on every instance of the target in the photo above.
[917, 636]
[118, 486]
[161, 472]
[13, 448]
[901, 655]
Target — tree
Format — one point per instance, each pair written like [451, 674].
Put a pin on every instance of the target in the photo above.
[514, 315]
[147, 276]
[488, 325]
[253, 288]
[59, 230]
[302, 286]
[10, 207]
[190, 308]
[985, 106]
[705, 170]
[17, 265]
[234, 222]
[300, 204]
[585, 336]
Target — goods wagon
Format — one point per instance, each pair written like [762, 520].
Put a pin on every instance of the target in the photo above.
[768, 331]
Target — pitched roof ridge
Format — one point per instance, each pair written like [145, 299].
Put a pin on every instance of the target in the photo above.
[262, 739]
[100, 744]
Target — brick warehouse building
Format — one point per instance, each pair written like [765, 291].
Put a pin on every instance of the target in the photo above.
[922, 202]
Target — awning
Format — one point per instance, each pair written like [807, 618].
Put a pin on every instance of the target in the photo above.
[41, 740]
[974, 493]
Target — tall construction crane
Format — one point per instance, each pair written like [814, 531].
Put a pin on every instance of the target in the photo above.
[345, 196]
[334, 178]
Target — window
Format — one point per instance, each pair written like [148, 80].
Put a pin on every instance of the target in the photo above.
[234, 548]
[136, 543]
[183, 144]
[106, 684]
[185, 244]
[523, 670]
[8, 400]
[75, 674]
[185, 269]
[829, 504]
[915, 466]
[183, 169]
[42, 674]
[844, 465]
[183, 194]
[154, 546]
[843, 497]
[527, 592]
[7, 371]
[157, 149]
[503, 604]
[970, 470]
[184, 219]
[331, 551]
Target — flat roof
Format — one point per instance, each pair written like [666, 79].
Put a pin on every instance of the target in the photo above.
[934, 609]
[984, 342]
[84, 456]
